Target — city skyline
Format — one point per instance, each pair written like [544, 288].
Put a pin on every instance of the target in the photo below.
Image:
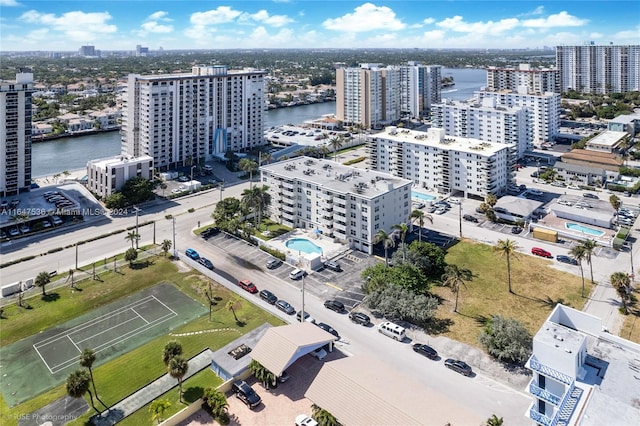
[121, 25]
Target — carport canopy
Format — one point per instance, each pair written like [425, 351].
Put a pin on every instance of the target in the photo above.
[360, 390]
[282, 346]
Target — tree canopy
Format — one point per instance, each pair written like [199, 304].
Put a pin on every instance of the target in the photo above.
[506, 339]
[398, 302]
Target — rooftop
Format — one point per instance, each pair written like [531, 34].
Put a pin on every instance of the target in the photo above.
[595, 157]
[337, 177]
[608, 138]
[436, 137]
[118, 159]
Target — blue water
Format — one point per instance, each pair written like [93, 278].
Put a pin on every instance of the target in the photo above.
[580, 228]
[421, 196]
[303, 245]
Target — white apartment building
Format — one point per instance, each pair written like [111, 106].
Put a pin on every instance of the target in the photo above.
[180, 118]
[343, 202]
[598, 68]
[542, 112]
[15, 133]
[485, 121]
[107, 175]
[446, 164]
[582, 375]
[535, 80]
[420, 88]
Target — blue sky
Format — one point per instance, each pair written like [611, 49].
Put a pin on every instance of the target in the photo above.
[186, 24]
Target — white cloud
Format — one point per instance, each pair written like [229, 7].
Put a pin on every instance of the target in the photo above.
[562, 19]
[221, 15]
[9, 3]
[153, 24]
[76, 25]
[263, 17]
[458, 24]
[367, 17]
[155, 27]
[160, 15]
[429, 21]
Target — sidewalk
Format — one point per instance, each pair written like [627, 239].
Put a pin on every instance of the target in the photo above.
[142, 397]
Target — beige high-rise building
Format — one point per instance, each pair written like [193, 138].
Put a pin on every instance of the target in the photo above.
[535, 80]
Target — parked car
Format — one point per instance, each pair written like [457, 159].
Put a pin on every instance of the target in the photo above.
[535, 192]
[245, 393]
[268, 297]
[459, 366]
[334, 305]
[248, 286]
[516, 230]
[534, 174]
[192, 254]
[359, 318]
[304, 420]
[307, 317]
[285, 307]
[328, 329]
[541, 252]
[56, 220]
[14, 232]
[573, 187]
[319, 354]
[557, 183]
[566, 259]
[441, 210]
[210, 232]
[432, 209]
[590, 195]
[425, 350]
[418, 205]
[470, 218]
[283, 377]
[333, 265]
[296, 274]
[273, 263]
[206, 263]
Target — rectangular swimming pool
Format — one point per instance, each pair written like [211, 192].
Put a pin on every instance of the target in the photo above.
[422, 197]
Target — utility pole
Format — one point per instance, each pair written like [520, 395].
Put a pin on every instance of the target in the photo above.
[460, 217]
[631, 256]
[76, 255]
[154, 232]
[136, 209]
[175, 252]
[221, 188]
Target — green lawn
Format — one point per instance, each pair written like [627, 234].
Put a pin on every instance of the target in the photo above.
[631, 325]
[537, 287]
[124, 375]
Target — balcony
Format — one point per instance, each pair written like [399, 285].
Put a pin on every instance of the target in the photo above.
[339, 226]
[543, 394]
[538, 417]
[536, 366]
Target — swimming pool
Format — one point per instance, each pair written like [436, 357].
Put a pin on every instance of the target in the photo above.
[421, 196]
[584, 229]
[303, 245]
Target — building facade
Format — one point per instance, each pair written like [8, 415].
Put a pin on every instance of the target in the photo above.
[535, 80]
[446, 164]
[346, 203]
[598, 69]
[542, 112]
[182, 118]
[486, 121]
[15, 133]
[420, 88]
[581, 373]
[108, 175]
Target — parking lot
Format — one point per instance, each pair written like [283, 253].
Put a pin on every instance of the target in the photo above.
[345, 286]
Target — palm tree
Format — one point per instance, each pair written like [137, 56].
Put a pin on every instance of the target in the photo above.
[178, 367]
[216, 401]
[387, 241]
[402, 230]
[166, 246]
[615, 202]
[494, 421]
[419, 216]
[507, 248]
[266, 158]
[87, 358]
[622, 282]
[233, 305]
[42, 280]
[455, 277]
[589, 247]
[130, 255]
[132, 236]
[578, 253]
[172, 349]
[248, 166]
[78, 384]
[336, 143]
[261, 373]
[158, 408]
[257, 199]
[323, 417]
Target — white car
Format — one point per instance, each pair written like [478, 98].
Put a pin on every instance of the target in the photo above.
[296, 274]
[573, 187]
[535, 192]
[304, 420]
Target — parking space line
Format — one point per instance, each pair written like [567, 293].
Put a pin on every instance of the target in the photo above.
[334, 286]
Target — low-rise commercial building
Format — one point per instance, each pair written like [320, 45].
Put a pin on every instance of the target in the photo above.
[598, 159]
[107, 175]
[346, 203]
[444, 164]
[608, 141]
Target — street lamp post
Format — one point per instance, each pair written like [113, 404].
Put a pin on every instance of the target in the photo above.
[175, 251]
[631, 256]
[136, 209]
[460, 217]
[221, 188]
[302, 315]
[191, 181]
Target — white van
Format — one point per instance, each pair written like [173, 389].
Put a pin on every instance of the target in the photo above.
[296, 274]
[392, 330]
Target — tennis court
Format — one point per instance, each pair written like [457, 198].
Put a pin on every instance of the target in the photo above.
[40, 362]
[62, 350]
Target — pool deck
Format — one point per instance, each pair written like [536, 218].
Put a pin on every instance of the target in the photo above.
[555, 223]
[330, 249]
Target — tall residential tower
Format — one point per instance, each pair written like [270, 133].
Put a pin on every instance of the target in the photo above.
[15, 134]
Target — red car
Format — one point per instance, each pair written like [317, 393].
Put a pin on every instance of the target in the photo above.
[541, 252]
[248, 285]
